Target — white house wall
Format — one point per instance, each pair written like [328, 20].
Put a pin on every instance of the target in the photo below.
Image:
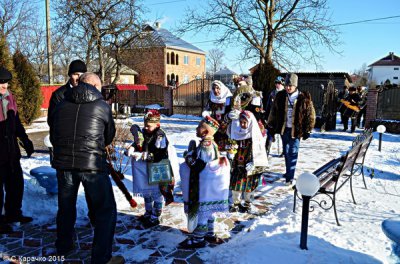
[379, 74]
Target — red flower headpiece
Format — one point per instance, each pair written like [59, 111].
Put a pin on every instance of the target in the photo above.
[152, 116]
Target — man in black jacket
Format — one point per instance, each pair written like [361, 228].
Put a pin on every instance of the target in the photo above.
[11, 178]
[81, 127]
[75, 70]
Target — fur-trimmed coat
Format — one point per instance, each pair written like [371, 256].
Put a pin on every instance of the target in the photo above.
[303, 115]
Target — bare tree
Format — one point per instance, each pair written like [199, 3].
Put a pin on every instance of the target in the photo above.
[215, 59]
[281, 31]
[103, 25]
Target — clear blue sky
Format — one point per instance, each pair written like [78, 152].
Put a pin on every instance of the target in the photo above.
[361, 43]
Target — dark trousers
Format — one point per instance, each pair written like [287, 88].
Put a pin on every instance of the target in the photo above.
[290, 151]
[98, 188]
[12, 182]
[346, 123]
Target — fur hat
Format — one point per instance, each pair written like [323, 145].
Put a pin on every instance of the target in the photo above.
[210, 124]
[76, 66]
[5, 75]
[280, 80]
[152, 116]
[291, 79]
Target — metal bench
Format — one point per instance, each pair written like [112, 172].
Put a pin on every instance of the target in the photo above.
[335, 173]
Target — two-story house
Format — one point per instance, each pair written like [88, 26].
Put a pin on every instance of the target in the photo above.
[387, 68]
[164, 59]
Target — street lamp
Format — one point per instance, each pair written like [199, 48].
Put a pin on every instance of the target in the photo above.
[381, 129]
[307, 184]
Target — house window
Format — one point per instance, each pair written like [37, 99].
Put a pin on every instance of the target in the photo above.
[395, 78]
[177, 59]
[396, 68]
[186, 78]
[168, 78]
[186, 60]
[198, 61]
[172, 77]
[177, 79]
[167, 57]
[172, 58]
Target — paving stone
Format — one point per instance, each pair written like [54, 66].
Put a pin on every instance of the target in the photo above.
[156, 254]
[179, 261]
[29, 242]
[85, 246]
[16, 234]
[195, 259]
[166, 251]
[125, 241]
[181, 254]
[20, 251]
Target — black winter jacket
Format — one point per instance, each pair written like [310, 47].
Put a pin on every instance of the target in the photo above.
[82, 126]
[56, 97]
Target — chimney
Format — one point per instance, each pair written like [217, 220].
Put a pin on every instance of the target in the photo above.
[391, 55]
[158, 25]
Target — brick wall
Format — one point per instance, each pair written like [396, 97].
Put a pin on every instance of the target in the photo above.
[151, 64]
[372, 103]
[190, 69]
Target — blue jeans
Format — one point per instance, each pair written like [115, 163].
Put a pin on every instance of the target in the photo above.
[98, 188]
[290, 151]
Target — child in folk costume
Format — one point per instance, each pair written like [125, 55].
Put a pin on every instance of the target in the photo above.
[218, 107]
[206, 190]
[249, 162]
[150, 146]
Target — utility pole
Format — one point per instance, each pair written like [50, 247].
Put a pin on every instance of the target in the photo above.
[49, 51]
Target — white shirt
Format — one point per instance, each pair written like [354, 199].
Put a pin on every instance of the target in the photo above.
[291, 101]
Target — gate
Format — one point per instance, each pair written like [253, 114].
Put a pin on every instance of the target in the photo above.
[388, 104]
[325, 104]
[191, 98]
[154, 95]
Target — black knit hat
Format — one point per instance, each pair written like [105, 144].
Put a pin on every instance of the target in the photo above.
[5, 75]
[76, 66]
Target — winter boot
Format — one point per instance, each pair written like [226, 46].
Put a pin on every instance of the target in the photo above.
[193, 242]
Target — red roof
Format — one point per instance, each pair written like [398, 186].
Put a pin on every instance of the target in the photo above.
[132, 87]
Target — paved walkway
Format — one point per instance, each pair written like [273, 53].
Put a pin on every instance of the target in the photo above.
[37, 241]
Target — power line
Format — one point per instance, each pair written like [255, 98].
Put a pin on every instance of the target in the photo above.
[161, 3]
[366, 20]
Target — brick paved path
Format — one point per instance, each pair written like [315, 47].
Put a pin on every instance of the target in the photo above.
[32, 240]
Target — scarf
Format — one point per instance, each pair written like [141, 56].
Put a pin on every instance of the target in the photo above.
[225, 93]
[252, 131]
[7, 103]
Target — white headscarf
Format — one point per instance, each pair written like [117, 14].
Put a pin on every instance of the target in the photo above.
[225, 92]
[252, 131]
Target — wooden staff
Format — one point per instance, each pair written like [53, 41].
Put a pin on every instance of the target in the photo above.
[116, 176]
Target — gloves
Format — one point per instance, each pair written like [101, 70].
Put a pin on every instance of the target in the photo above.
[206, 113]
[306, 135]
[249, 167]
[27, 144]
[234, 114]
[129, 152]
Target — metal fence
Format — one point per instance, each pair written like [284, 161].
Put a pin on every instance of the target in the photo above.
[388, 104]
[191, 98]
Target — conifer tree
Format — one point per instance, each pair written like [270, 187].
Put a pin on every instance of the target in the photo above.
[7, 62]
[31, 93]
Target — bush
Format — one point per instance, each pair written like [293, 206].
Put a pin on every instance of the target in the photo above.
[29, 107]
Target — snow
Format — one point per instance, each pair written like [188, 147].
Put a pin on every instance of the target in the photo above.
[274, 237]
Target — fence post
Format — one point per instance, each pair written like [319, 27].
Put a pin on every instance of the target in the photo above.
[372, 106]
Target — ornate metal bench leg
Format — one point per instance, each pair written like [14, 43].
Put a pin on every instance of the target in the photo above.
[362, 173]
[334, 209]
[351, 189]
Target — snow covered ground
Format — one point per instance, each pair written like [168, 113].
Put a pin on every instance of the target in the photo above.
[275, 237]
